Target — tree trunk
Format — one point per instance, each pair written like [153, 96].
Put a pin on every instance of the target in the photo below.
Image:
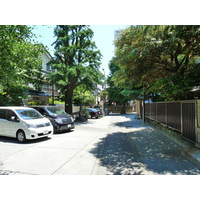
[81, 109]
[123, 110]
[68, 101]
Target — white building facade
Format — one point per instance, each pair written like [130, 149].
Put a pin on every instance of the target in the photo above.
[47, 90]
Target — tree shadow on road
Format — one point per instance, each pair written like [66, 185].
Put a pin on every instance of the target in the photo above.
[141, 152]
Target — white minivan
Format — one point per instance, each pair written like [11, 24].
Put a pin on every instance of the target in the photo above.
[23, 123]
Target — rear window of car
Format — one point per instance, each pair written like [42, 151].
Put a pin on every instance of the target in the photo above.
[2, 114]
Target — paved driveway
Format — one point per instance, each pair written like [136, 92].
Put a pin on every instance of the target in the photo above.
[63, 153]
[115, 144]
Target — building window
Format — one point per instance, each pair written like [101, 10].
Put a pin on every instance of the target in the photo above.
[48, 67]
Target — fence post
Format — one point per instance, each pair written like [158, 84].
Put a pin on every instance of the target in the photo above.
[156, 117]
[143, 111]
[197, 123]
[181, 119]
[143, 108]
[166, 114]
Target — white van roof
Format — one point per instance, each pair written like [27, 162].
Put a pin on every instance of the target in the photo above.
[15, 107]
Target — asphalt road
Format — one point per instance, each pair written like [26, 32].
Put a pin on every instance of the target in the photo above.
[112, 145]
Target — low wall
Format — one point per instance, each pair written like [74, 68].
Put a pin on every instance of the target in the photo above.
[117, 109]
[74, 108]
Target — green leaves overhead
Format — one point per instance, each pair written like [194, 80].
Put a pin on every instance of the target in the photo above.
[160, 58]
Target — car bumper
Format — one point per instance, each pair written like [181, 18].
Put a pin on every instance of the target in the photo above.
[94, 115]
[35, 133]
[63, 127]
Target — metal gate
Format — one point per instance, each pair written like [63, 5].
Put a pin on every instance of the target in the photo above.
[178, 115]
[189, 120]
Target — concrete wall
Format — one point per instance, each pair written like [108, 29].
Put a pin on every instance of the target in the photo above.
[117, 109]
[75, 108]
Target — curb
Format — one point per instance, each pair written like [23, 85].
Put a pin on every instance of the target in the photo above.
[97, 162]
[189, 151]
[193, 155]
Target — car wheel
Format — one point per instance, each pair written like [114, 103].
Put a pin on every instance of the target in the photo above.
[21, 136]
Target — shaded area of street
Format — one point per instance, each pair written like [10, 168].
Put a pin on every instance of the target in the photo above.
[113, 145]
[136, 150]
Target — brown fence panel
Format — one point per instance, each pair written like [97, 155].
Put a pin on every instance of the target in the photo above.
[174, 115]
[178, 115]
[188, 114]
[161, 113]
[147, 110]
[153, 111]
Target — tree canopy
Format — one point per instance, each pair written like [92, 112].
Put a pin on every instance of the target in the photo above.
[76, 62]
[20, 62]
[119, 89]
[161, 59]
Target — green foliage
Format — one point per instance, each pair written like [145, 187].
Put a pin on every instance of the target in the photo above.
[34, 103]
[119, 90]
[55, 101]
[85, 112]
[160, 59]
[76, 61]
[83, 96]
[20, 62]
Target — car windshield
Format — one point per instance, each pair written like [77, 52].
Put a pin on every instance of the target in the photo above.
[55, 110]
[92, 109]
[28, 114]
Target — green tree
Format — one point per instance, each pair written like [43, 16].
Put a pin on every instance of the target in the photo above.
[76, 60]
[83, 96]
[20, 62]
[162, 59]
[119, 89]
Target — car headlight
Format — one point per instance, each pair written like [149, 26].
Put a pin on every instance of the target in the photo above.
[59, 120]
[31, 125]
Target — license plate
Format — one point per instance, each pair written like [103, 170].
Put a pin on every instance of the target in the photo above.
[45, 132]
[63, 127]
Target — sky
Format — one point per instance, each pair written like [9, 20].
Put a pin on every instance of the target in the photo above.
[103, 37]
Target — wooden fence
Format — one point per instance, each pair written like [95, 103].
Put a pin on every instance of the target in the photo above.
[179, 115]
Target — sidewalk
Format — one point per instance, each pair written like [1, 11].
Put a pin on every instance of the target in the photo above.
[188, 150]
[132, 148]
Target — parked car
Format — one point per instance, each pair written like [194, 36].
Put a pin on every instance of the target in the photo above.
[100, 111]
[23, 123]
[60, 120]
[93, 112]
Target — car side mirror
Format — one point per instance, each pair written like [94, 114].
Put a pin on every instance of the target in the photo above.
[45, 114]
[14, 119]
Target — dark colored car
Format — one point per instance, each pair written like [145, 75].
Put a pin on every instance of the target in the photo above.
[93, 112]
[60, 120]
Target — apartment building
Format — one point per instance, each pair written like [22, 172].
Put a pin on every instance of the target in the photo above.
[47, 90]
